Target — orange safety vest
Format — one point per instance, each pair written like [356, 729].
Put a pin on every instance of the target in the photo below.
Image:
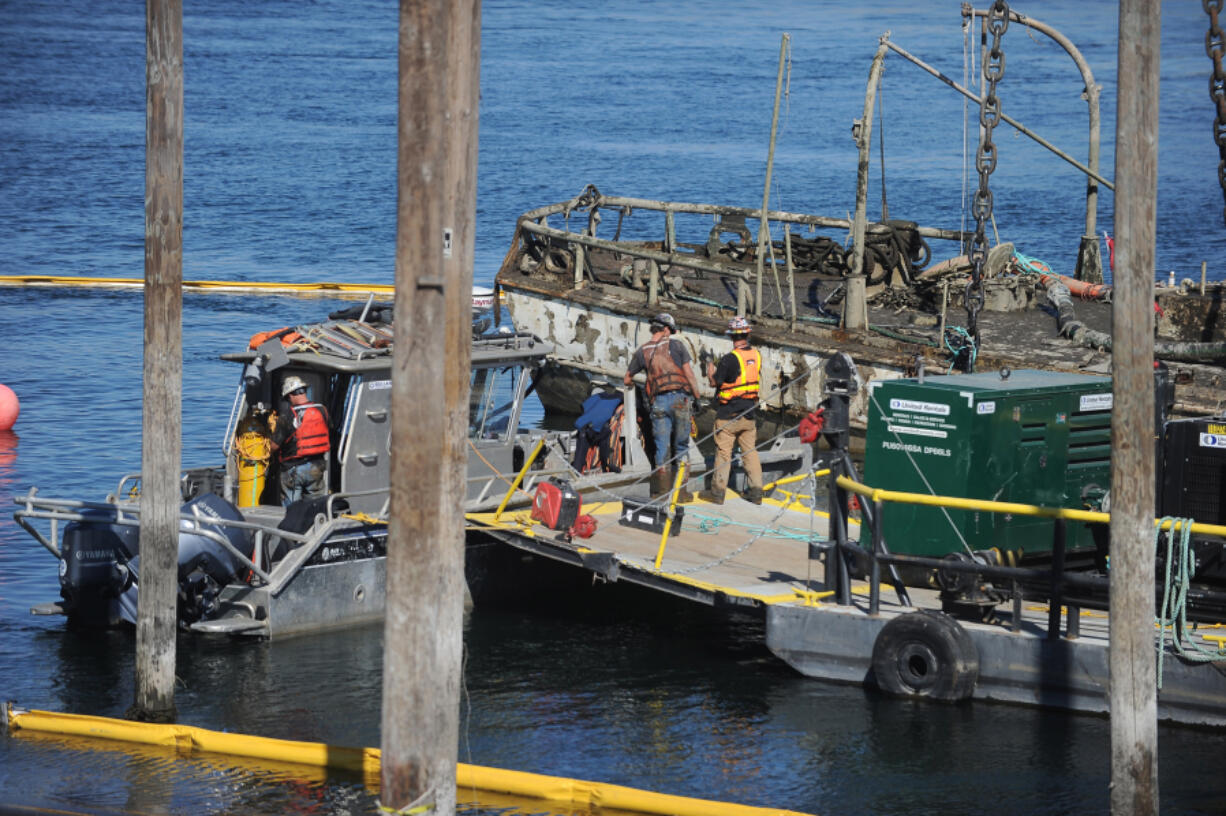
[663, 373]
[745, 386]
[310, 431]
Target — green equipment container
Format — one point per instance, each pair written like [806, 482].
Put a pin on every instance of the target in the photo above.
[1034, 437]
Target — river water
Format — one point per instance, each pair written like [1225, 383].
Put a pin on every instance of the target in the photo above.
[290, 175]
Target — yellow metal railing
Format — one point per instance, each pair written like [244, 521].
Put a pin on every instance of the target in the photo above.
[518, 479]
[766, 488]
[672, 508]
[1069, 514]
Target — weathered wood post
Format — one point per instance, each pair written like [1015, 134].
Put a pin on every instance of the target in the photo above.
[439, 60]
[161, 442]
[855, 302]
[1134, 702]
[763, 222]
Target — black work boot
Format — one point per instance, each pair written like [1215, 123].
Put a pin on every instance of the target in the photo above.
[659, 482]
[753, 495]
[710, 496]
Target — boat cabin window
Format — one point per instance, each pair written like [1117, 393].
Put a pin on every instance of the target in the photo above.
[491, 402]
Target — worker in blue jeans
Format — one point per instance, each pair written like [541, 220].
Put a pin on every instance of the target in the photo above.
[672, 387]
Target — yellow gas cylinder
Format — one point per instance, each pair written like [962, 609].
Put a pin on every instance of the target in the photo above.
[252, 449]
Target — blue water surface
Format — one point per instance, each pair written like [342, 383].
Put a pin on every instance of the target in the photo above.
[290, 175]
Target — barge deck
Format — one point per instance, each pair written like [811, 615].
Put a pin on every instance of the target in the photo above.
[769, 565]
[773, 560]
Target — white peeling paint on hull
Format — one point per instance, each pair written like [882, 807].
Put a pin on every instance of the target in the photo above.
[601, 344]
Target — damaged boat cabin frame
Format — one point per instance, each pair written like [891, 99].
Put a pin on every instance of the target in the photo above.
[591, 295]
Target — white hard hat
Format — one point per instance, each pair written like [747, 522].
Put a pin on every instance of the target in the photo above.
[292, 383]
[738, 325]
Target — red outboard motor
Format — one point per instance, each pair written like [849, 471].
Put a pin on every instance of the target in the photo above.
[556, 504]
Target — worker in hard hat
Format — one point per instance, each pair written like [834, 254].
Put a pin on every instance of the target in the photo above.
[736, 382]
[672, 387]
[302, 443]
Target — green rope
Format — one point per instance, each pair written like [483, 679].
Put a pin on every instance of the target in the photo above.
[959, 331]
[703, 300]
[714, 524]
[829, 321]
[1180, 566]
[1031, 266]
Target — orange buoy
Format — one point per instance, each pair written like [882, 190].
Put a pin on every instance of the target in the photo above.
[9, 408]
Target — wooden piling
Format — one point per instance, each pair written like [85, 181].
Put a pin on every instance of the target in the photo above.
[1134, 701]
[763, 221]
[855, 300]
[161, 442]
[439, 59]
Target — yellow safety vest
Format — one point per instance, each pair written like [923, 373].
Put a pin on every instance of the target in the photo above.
[745, 386]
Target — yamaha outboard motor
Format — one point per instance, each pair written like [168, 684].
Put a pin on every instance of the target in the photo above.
[205, 566]
[101, 567]
[94, 569]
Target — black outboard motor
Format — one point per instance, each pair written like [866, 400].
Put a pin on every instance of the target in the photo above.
[94, 570]
[101, 566]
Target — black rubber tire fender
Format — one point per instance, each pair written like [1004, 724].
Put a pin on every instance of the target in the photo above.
[559, 261]
[926, 654]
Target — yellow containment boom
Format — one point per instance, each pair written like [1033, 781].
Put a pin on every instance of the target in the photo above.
[356, 290]
[366, 761]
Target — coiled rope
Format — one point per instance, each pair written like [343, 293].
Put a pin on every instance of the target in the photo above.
[1173, 614]
[1027, 265]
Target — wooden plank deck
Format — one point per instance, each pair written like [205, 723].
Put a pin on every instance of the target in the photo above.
[737, 551]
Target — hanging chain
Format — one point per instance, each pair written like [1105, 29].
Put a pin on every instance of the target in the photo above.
[1215, 45]
[985, 163]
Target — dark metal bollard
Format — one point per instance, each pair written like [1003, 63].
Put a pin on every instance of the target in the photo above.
[1057, 579]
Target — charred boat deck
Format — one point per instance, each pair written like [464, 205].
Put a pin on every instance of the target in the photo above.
[592, 297]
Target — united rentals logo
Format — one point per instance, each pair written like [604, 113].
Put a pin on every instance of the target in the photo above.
[917, 407]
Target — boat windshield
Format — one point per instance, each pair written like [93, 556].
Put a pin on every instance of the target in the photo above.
[491, 402]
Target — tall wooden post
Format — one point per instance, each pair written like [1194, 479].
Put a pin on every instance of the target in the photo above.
[1134, 701]
[855, 301]
[763, 222]
[440, 53]
[161, 443]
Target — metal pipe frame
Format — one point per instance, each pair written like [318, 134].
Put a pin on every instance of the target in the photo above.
[1018, 126]
[1090, 93]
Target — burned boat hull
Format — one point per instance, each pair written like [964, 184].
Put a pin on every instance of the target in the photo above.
[592, 298]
